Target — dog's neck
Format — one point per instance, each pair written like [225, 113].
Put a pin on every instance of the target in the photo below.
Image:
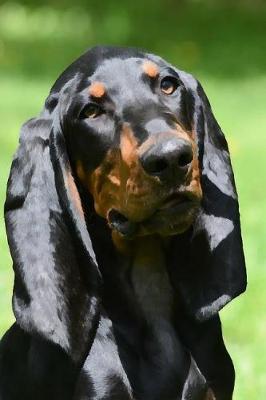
[145, 256]
[140, 301]
[144, 272]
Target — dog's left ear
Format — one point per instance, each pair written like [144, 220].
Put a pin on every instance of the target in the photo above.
[213, 270]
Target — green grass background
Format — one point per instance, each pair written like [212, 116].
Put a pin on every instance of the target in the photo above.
[225, 47]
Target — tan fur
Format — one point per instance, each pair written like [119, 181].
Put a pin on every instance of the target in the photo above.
[195, 185]
[97, 89]
[103, 183]
[121, 183]
[74, 193]
[182, 133]
[150, 68]
[128, 146]
[210, 395]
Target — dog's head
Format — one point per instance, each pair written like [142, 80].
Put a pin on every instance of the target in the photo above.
[138, 137]
[132, 144]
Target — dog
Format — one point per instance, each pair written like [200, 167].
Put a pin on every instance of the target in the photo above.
[123, 225]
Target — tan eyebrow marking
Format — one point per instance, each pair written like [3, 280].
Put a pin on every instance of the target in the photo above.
[97, 89]
[150, 69]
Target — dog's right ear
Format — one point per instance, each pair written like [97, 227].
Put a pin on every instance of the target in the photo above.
[56, 275]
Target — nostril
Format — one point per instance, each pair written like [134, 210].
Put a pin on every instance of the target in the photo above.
[185, 158]
[156, 166]
[168, 158]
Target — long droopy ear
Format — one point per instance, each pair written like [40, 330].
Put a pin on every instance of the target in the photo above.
[56, 275]
[212, 271]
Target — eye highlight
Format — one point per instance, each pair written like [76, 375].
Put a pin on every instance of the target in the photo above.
[169, 85]
[91, 111]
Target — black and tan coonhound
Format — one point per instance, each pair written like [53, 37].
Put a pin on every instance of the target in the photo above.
[123, 224]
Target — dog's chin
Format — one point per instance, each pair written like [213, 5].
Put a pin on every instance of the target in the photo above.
[170, 219]
[170, 228]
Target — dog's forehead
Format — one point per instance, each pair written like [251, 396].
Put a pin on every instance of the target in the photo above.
[117, 73]
[114, 65]
[129, 67]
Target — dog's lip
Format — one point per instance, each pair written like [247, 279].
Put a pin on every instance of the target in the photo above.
[177, 210]
[177, 203]
[174, 205]
[121, 223]
[172, 201]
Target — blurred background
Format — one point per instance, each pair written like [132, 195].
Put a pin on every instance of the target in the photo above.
[223, 43]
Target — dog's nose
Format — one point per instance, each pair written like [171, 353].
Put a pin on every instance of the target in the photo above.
[168, 158]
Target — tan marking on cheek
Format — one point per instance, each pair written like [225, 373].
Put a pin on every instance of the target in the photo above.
[128, 145]
[180, 132]
[119, 182]
[74, 193]
[136, 187]
[103, 183]
[97, 89]
[150, 68]
[115, 180]
[195, 184]
[147, 145]
[80, 170]
[132, 173]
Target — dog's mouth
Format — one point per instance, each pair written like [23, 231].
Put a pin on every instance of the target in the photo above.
[174, 215]
[122, 224]
[176, 203]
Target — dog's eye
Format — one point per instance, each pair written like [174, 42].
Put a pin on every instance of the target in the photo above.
[169, 85]
[91, 111]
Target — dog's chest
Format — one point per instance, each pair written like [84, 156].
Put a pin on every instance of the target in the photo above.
[153, 292]
[154, 298]
[151, 356]
[150, 281]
